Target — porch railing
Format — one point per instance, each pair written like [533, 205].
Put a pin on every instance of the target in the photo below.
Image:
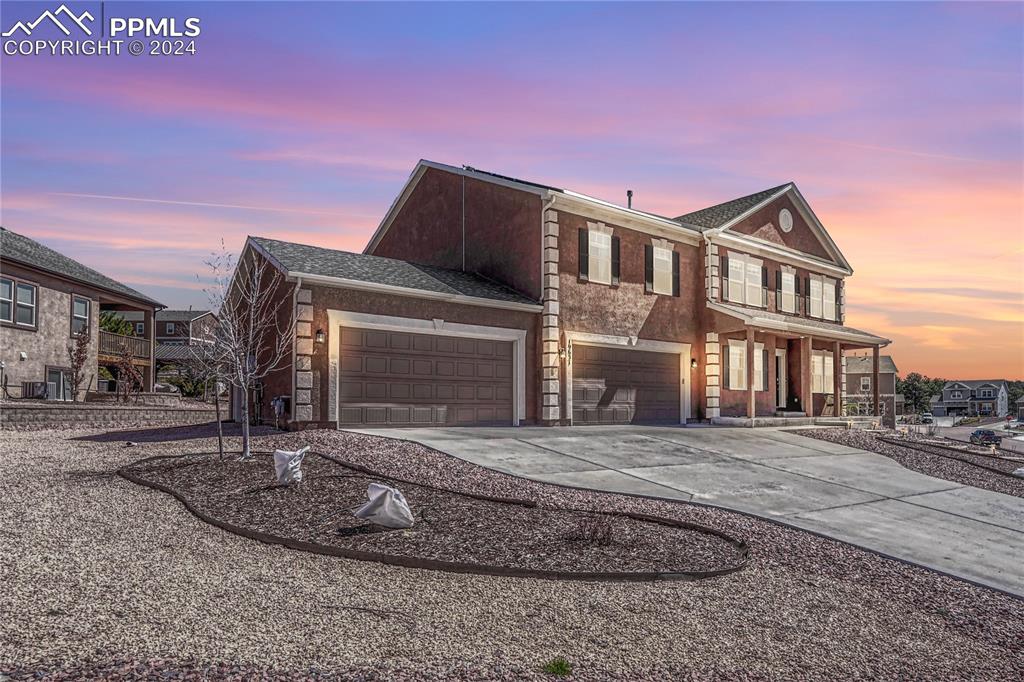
[112, 344]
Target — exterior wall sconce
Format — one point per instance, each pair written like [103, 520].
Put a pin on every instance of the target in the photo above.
[693, 363]
[319, 335]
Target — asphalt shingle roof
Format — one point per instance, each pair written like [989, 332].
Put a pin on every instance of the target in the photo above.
[179, 315]
[719, 214]
[171, 353]
[315, 260]
[29, 252]
[742, 313]
[977, 383]
[859, 364]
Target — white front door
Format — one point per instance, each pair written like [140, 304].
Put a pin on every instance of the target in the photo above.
[780, 377]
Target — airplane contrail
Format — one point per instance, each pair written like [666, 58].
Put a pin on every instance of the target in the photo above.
[205, 204]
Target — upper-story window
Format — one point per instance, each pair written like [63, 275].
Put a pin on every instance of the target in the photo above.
[170, 328]
[821, 297]
[787, 291]
[745, 280]
[599, 255]
[956, 395]
[865, 383]
[18, 302]
[661, 268]
[987, 393]
[79, 315]
[140, 329]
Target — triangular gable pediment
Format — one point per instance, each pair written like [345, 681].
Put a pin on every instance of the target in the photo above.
[768, 222]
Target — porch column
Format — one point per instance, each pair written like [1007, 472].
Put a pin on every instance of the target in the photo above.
[806, 385]
[150, 324]
[874, 380]
[751, 397]
[837, 380]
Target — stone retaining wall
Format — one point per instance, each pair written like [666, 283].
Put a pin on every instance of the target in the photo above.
[27, 416]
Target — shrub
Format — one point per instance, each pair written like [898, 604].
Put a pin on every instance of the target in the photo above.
[559, 665]
[596, 529]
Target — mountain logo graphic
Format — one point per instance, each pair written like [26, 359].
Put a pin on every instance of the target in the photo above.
[70, 16]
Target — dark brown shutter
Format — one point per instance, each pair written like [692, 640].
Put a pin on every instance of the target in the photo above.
[584, 255]
[764, 285]
[764, 368]
[724, 272]
[839, 299]
[675, 273]
[807, 296]
[725, 365]
[648, 267]
[796, 294]
[615, 260]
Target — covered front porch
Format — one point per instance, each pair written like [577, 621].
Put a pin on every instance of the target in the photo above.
[776, 369]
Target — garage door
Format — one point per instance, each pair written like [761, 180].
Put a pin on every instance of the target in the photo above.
[402, 379]
[622, 386]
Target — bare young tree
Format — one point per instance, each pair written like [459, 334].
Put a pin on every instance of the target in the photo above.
[78, 360]
[255, 323]
[208, 365]
[129, 378]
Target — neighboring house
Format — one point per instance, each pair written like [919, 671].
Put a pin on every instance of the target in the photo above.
[46, 299]
[483, 299]
[858, 387]
[175, 330]
[978, 398]
[1020, 408]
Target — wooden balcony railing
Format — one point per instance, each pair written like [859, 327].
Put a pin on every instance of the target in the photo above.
[113, 344]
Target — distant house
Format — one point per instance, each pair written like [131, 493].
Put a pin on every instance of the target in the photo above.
[859, 392]
[976, 398]
[1020, 408]
[175, 331]
[46, 299]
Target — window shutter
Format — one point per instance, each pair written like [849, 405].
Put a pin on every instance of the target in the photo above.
[584, 254]
[764, 369]
[615, 260]
[723, 270]
[675, 273]
[796, 293]
[725, 365]
[807, 296]
[648, 267]
[764, 285]
[839, 304]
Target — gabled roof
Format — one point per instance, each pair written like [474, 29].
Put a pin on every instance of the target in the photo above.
[19, 248]
[302, 260]
[720, 214]
[860, 364]
[975, 384]
[180, 315]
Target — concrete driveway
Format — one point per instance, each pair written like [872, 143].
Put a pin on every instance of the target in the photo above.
[846, 493]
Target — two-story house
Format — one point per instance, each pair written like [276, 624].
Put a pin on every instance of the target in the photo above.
[484, 299]
[46, 299]
[858, 387]
[974, 398]
[175, 331]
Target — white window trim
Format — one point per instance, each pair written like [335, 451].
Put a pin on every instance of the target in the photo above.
[759, 378]
[169, 328]
[787, 302]
[865, 383]
[956, 395]
[665, 271]
[88, 311]
[345, 318]
[741, 365]
[821, 303]
[599, 268]
[140, 328]
[743, 286]
[822, 377]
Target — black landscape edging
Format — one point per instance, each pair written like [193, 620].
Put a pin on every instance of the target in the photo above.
[920, 448]
[451, 566]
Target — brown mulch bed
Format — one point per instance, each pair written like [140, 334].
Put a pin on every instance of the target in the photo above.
[968, 467]
[489, 534]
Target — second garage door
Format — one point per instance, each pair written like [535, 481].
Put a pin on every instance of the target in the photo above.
[623, 386]
[392, 378]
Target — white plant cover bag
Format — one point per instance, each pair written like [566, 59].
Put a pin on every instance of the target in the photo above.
[387, 507]
[288, 465]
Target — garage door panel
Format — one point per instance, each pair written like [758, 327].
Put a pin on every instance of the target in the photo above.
[622, 386]
[404, 378]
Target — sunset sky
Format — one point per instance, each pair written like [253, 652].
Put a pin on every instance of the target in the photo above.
[900, 123]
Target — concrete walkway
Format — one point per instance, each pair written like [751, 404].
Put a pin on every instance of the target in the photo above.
[846, 493]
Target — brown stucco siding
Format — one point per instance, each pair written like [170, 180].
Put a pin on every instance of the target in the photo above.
[764, 223]
[329, 298]
[733, 403]
[47, 345]
[500, 237]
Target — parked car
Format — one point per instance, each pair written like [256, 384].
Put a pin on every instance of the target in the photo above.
[985, 437]
[926, 418]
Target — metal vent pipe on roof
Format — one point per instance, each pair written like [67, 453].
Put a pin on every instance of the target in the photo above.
[629, 198]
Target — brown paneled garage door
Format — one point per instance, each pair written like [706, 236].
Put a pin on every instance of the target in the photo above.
[623, 386]
[401, 379]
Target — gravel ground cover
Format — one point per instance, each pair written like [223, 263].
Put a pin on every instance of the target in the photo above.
[106, 579]
[450, 527]
[917, 456]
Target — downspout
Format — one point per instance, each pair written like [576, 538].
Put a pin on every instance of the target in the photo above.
[295, 307]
